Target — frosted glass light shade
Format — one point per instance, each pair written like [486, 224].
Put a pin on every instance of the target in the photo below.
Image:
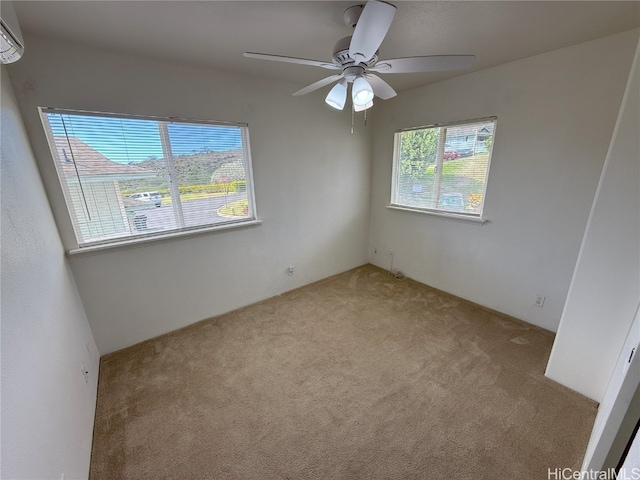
[361, 93]
[337, 96]
[359, 108]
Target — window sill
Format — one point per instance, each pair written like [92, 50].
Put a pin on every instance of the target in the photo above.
[158, 238]
[450, 216]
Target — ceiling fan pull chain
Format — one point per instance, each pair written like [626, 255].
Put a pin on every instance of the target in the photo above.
[352, 117]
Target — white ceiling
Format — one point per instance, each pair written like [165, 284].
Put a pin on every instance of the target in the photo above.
[216, 33]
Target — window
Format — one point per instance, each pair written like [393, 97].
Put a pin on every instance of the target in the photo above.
[443, 168]
[127, 177]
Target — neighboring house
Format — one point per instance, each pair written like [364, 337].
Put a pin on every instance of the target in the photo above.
[94, 191]
[469, 137]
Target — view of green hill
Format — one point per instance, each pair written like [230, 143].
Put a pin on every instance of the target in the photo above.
[194, 169]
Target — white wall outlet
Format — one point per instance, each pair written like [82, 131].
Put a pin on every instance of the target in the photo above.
[540, 301]
[85, 373]
[290, 270]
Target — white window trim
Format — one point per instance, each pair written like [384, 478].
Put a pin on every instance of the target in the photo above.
[158, 238]
[155, 237]
[480, 219]
[436, 213]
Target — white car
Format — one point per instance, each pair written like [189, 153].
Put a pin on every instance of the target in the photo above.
[148, 197]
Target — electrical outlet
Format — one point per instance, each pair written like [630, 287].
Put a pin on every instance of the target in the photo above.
[290, 270]
[85, 373]
[539, 301]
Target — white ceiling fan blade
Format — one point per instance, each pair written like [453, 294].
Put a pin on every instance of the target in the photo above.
[372, 26]
[381, 89]
[432, 63]
[318, 84]
[300, 61]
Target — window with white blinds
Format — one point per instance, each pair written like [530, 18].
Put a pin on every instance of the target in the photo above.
[443, 168]
[127, 177]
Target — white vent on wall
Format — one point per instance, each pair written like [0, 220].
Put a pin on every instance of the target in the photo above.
[11, 44]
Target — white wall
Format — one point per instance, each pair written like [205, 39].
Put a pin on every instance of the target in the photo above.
[605, 289]
[312, 180]
[47, 408]
[607, 439]
[556, 114]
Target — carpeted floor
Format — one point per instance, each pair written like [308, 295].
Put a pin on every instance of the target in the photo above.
[359, 376]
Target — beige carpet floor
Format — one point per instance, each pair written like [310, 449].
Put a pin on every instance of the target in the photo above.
[359, 376]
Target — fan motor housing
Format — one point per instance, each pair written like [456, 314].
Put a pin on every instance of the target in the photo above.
[341, 54]
[350, 72]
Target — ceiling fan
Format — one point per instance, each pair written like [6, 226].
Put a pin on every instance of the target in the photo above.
[357, 59]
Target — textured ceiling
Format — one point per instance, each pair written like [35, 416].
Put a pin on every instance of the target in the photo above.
[215, 33]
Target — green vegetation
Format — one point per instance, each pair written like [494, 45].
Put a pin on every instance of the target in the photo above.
[229, 172]
[473, 167]
[239, 208]
[191, 196]
[200, 175]
[196, 192]
[422, 183]
[193, 171]
[233, 187]
[418, 149]
[463, 175]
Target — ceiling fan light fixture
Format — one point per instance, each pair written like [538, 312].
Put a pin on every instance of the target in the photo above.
[356, 57]
[360, 108]
[362, 93]
[337, 96]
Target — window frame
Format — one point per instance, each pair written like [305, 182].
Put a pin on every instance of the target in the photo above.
[465, 216]
[96, 245]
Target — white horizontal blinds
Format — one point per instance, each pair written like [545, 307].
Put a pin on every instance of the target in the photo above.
[464, 174]
[132, 177]
[418, 154]
[444, 167]
[417, 158]
[211, 172]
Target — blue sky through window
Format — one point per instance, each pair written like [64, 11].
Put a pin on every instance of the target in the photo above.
[130, 140]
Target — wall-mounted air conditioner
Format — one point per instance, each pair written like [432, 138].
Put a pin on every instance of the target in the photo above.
[11, 44]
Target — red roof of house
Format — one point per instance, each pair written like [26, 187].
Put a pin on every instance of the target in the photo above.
[90, 162]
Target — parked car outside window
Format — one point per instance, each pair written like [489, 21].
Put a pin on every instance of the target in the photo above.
[452, 202]
[449, 152]
[148, 197]
[465, 152]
